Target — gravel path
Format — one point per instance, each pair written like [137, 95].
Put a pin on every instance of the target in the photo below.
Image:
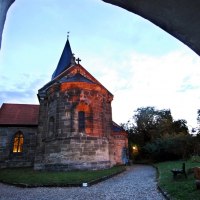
[138, 182]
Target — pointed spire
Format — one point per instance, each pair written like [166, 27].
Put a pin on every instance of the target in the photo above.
[65, 59]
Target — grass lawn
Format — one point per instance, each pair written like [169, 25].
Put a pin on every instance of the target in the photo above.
[30, 177]
[181, 188]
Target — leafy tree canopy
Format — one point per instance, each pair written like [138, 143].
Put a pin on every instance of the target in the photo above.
[149, 124]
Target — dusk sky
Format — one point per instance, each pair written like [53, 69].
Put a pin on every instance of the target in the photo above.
[135, 60]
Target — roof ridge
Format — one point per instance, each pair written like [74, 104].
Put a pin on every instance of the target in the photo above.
[21, 104]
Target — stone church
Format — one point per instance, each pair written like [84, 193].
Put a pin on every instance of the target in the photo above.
[71, 129]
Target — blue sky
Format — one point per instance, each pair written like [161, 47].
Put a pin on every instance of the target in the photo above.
[135, 60]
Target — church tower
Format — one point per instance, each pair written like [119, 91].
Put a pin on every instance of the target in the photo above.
[75, 119]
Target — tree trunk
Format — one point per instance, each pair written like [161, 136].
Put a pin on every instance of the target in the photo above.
[180, 18]
[4, 6]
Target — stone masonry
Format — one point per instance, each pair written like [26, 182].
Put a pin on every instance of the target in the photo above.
[63, 145]
[71, 129]
[10, 159]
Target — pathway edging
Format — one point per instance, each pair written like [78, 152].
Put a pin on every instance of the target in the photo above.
[164, 193]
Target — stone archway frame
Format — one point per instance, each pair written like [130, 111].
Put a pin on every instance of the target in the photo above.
[4, 7]
[82, 106]
[180, 18]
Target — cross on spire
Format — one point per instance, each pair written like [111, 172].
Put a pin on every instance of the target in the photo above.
[68, 35]
[78, 60]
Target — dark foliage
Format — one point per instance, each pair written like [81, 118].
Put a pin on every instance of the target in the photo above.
[162, 149]
[158, 136]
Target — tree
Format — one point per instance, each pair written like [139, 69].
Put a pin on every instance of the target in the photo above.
[155, 132]
[4, 6]
[171, 148]
[180, 126]
[151, 123]
[145, 120]
[164, 124]
[198, 120]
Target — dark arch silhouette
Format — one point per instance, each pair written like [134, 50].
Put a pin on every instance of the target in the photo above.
[4, 6]
[180, 18]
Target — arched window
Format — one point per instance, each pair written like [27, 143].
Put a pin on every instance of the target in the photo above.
[18, 142]
[84, 119]
[51, 126]
[81, 121]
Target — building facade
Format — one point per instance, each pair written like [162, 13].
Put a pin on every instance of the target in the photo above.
[18, 131]
[74, 128]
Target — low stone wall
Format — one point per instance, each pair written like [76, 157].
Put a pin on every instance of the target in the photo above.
[78, 166]
[75, 153]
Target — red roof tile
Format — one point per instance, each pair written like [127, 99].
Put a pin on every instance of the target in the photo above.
[19, 114]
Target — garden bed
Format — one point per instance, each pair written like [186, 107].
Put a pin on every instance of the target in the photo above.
[27, 177]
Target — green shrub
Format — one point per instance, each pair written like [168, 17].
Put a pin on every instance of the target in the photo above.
[172, 148]
[195, 158]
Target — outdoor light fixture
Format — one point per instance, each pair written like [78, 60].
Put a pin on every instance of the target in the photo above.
[135, 149]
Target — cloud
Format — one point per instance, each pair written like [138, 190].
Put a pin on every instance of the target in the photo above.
[169, 81]
[21, 90]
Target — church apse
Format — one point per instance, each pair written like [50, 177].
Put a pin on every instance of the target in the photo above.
[78, 137]
[75, 122]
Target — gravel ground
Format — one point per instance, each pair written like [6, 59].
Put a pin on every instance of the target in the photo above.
[138, 182]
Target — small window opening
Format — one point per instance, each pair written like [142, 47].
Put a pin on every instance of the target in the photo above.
[81, 120]
[18, 143]
[51, 126]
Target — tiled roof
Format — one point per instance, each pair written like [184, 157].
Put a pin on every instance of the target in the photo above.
[19, 114]
[116, 127]
[65, 60]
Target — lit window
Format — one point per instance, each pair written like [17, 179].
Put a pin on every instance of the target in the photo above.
[18, 143]
[81, 121]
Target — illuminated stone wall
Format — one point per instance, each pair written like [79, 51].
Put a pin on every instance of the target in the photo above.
[75, 128]
[119, 148]
[8, 158]
[76, 153]
[61, 145]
